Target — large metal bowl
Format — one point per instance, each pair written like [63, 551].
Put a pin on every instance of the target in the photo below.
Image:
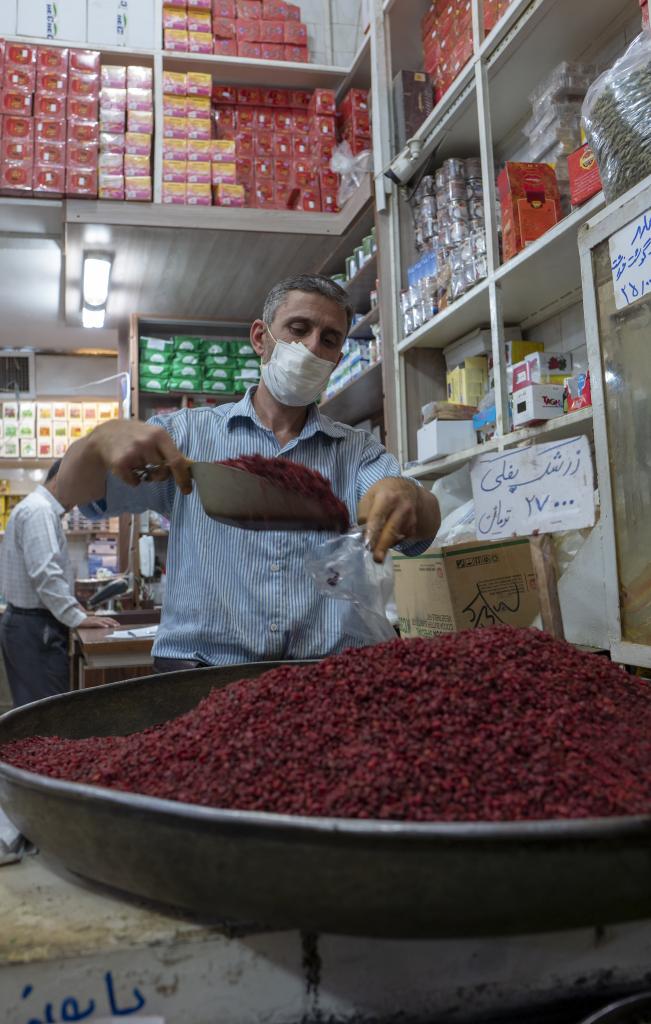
[321, 874]
[625, 1011]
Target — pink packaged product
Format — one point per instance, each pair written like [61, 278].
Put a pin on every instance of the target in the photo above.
[175, 171]
[223, 9]
[174, 193]
[198, 195]
[295, 33]
[272, 51]
[224, 174]
[174, 106]
[85, 60]
[136, 166]
[113, 76]
[139, 78]
[45, 153]
[82, 157]
[175, 149]
[112, 121]
[83, 85]
[17, 151]
[297, 54]
[48, 180]
[50, 130]
[22, 77]
[272, 32]
[198, 173]
[110, 186]
[249, 9]
[252, 51]
[111, 143]
[111, 163]
[200, 42]
[247, 31]
[137, 189]
[83, 132]
[82, 108]
[81, 182]
[112, 98]
[52, 83]
[199, 129]
[140, 121]
[137, 144]
[225, 47]
[139, 99]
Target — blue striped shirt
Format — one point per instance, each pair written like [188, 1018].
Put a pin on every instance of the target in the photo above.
[243, 595]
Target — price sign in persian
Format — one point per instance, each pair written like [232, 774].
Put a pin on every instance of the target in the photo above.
[630, 261]
[545, 488]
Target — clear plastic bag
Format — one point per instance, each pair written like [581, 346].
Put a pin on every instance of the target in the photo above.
[617, 119]
[351, 168]
[343, 569]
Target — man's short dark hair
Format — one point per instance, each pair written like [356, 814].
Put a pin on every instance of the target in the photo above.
[312, 284]
[53, 470]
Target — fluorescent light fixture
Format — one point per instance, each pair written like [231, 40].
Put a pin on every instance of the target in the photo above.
[93, 317]
[95, 288]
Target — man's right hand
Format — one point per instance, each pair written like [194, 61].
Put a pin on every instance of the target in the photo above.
[125, 446]
[97, 622]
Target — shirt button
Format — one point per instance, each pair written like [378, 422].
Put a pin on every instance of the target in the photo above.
[274, 627]
[275, 567]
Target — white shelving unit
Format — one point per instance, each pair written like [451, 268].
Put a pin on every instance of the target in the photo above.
[481, 115]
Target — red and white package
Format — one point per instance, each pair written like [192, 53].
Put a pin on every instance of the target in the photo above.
[225, 119]
[52, 58]
[301, 123]
[110, 185]
[272, 32]
[310, 200]
[249, 96]
[283, 120]
[323, 101]
[81, 157]
[113, 76]
[283, 144]
[297, 54]
[328, 180]
[225, 47]
[329, 201]
[81, 182]
[322, 125]
[274, 10]
[250, 9]
[18, 103]
[295, 33]
[272, 51]
[244, 143]
[20, 78]
[263, 167]
[83, 108]
[283, 170]
[83, 133]
[355, 99]
[49, 130]
[20, 53]
[224, 28]
[287, 196]
[300, 98]
[265, 196]
[264, 143]
[305, 174]
[245, 170]
[252, 51]
[53, 153]
[322, 150]
[52, 83]
[247, 31]
[224, 94]
[246, 119]
[264, 118]
[16, 177]
[48, 180]
[300, 146]
[17, 150]
[85, 60]
[83, 85]
[223, 9]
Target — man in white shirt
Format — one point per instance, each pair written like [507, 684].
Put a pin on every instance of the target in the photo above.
[37, 581]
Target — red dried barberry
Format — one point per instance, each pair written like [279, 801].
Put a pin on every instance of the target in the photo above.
[494, 724]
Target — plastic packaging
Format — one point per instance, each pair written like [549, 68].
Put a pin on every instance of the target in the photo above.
[617, 119]
[343, 569]
[351, 168]
[459, 526]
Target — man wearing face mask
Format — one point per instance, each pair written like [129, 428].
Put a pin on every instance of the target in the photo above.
[234, 595]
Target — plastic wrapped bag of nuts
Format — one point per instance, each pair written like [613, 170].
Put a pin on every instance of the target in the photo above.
[617, 118]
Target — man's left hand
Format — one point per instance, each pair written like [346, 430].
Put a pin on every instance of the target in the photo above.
[395, 509]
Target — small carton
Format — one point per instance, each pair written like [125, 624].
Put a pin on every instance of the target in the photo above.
[60, 430]
[465, 586]
[198, 194]
[44, 411]
[138, 189]
[585, 180]
[541, 368]
[537, 403]
[74, 412]
[530, 204]
[89, 413]
[442, 437]
[200, 150]
[44, 448]
[28, 448]
[175, 171]
[175, 83]
[11, 448]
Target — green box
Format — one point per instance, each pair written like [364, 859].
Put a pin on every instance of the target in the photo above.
[150, 356]
[243, 348]
[160, 384]
[184, 384]
[165, 345]
[224, 387]
[187, 359]
[248, 364]
[187, 343]
[227, 362]
[218, 373]
[240, 387]
[186, 372]
[216, 347]
[154, 370]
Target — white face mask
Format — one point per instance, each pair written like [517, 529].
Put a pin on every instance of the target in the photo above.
[294, 375]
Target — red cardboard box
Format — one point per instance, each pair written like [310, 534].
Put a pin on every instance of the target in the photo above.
[50, 153]
[244, 144]
[283, 171]
[48, 180]
[83, 133]
[287, 197]
[17, 151]
[323, 101]
[300, 98]
[322, 125]
[359, 123]
[295, 33]
[20, 53]
[304, 173]
[249, 97]
[328, 180]
[245, 172]
[52, 58]
[18, 103]
[585, 180]
[224, 28]
[329, 201]
[85, 60]
[15, 127]
[224, 94]
[293, 12]
[81, 182]
[246, 118]
[310, 200]
[272, 51]
[300, 146]
[81, 108]
[275, 97]
[247, 30]
[265, 195]
[275, 10]
[272, 32]
[264, 118]
[358, 145]
[263, 167]
[16, 177]
[83, 85]
[49, 130]
[283, 120]
[249, 9]
[322, 150]
[283, 144]
[530, 204]
[52, 83]
[264, 143]
[354, 100]
[81, 157]
[20, 78]
[252, 51]
[223, 9]
[301, 123]
[298, 54]
[225, 119]
[225, 47]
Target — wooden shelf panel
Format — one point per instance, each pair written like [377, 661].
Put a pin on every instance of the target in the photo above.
[361, 399]
[240, 71]
[361, 329]
[362, 284]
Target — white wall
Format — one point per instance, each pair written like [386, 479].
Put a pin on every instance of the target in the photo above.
[347, 29]
[57, 375]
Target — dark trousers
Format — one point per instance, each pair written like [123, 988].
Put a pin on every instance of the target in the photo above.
[35, 650]
[176, 664]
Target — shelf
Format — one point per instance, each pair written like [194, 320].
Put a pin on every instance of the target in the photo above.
[25, 463]
[563, 426]
[359, 76]
[91, 533]
[545, 277]
[270, 73]
[470, 311]
[362, 284]
[359, 400]
[361, 329]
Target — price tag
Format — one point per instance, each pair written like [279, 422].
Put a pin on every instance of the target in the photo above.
[544, 488]
[630, 261]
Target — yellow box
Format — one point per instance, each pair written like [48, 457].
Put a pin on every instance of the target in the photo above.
[174, 192]
[199, 128]
[176, 80]
[197, 107]
[198, 194]
[199, 84]
[199, 149]
[200, 42]
[44, 411]
[175, 127]
[175, 106]
[175, 171]
[198, 172]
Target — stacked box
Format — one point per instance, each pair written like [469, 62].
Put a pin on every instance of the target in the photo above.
[255, 29]
[530, 203]
[126, 124]
[45, 429]
[155, 363]
[447, 42]
[187, 133]
[468, 382]
[493, 11]
[230, 367]
[284, 140]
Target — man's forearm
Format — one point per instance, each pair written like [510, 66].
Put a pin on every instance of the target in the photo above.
[82, 476]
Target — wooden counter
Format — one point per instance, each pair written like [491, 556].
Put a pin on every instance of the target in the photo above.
[98, 657]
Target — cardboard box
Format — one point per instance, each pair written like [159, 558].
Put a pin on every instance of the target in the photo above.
[537, 403]
[65, 19]
[465, 586]
[541, 368]
[530, 203]
[442, 437]
[413, 102]
[585, 180]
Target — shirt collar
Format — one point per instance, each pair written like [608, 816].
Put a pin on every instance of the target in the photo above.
[43, 491]
[315, 423]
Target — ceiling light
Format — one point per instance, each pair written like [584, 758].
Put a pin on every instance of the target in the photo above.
[93, 317]
[97, 271]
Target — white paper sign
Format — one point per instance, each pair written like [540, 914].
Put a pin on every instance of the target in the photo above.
[630, 261]
[544, 488]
